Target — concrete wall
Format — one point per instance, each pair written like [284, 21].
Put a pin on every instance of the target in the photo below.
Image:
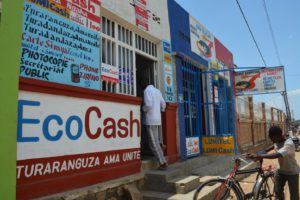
[158, 21]
[253, 132]
[10, 41]
[180, 37]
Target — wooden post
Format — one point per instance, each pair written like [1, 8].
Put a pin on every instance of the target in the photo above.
[250, 100]
[264, 121]
[272, 116]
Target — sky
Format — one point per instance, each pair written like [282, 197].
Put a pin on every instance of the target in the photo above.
[225, 21]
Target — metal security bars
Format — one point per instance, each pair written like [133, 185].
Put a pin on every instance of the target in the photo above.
[119, 54]
[219, 103]
[126, 71]
[145, 46]
[192, 98]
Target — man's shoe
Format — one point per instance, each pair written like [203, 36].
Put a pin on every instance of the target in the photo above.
[163, 166]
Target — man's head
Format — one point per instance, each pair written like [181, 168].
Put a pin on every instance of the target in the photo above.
[144, 84]
[275, 134]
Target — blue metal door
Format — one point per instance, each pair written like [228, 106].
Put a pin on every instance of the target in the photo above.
[192, 99]
[219, 103]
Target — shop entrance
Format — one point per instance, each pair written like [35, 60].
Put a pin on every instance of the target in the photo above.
[145, 74]
[192, 99]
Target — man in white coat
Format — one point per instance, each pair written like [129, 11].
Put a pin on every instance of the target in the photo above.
[154, 104]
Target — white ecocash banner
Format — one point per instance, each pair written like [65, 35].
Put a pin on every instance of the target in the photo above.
[266, 80]
[52, 125]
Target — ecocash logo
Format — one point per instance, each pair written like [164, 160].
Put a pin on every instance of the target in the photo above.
[54, 126]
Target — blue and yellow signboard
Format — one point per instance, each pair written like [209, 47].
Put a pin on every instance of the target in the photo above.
[218, 145]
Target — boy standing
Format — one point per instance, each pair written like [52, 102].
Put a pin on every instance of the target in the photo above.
[288, 169]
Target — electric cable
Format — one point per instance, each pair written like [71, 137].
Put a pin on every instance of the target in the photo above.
[251, 33]
[272, 32]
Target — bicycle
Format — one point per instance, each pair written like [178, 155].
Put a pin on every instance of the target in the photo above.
[229, 188]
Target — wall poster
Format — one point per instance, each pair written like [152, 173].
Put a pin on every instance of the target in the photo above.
[202, 41]
[192, 146]
[266, 80]
[61, 42]
[168, 72]
[141, 14]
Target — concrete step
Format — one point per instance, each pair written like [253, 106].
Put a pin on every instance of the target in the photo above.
[206, 178]
[184, 184]
[220, 166]
[152, 195]
[158, 180]
[149, 163]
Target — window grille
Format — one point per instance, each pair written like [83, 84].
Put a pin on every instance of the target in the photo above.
[108, 27]
[124, 35]
[118, 50]
[145, 46]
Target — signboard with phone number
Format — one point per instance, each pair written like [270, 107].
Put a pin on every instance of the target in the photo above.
[61, 42]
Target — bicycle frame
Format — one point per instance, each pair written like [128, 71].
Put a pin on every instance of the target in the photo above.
[261, 175]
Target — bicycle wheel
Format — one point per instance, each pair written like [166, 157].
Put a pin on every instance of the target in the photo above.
[265, 188]
[216, 189]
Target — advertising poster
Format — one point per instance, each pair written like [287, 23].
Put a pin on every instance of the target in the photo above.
[109, 73]
[168, 72]
[202, 41]
[267, 80]
[61, 42]
[218, 145]
[141, 14]
[61, 137]
[192, 146]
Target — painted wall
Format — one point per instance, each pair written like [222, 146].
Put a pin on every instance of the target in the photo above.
[69, 136]
[10, 41]
[180, 37]
[149, 15]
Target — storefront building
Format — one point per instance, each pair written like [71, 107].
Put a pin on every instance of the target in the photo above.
[204, 87]
[81, 70]
[82, 64]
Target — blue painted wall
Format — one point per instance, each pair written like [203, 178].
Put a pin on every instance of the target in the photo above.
[180, 40]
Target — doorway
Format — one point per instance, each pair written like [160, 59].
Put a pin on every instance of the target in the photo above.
[145, 74]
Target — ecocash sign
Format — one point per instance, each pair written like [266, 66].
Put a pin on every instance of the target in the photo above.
[109, 128]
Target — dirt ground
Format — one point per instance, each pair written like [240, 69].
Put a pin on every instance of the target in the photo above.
[248, 182]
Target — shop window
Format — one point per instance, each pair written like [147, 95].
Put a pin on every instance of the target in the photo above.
[120, 48]
[130, 38]
[103, 25]
[126, 70]
[124, 35]
[108, 51]
[145, 46]
[103, 50]
[108, 58]
[119, 33]
[108, 27]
